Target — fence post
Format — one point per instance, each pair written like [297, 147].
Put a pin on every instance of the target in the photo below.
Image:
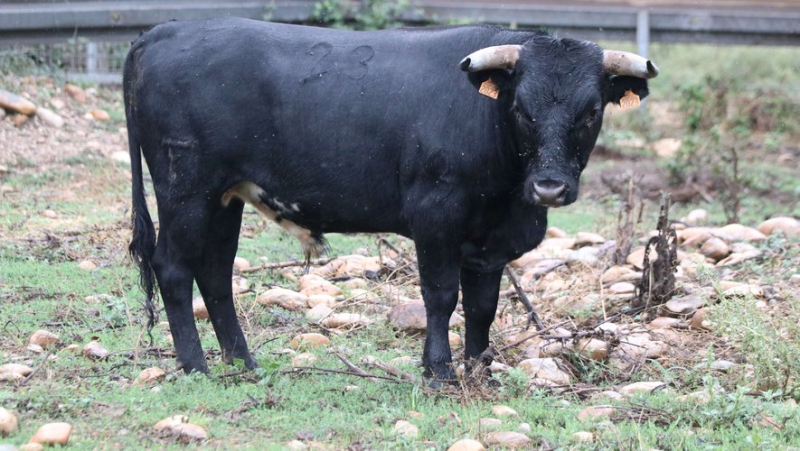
[643, 42]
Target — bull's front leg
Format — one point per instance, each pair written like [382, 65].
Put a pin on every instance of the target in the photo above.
[480, 292]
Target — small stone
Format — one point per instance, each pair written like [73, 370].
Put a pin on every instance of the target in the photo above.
[490, 423]
[179, 425]
[53, 434]
[555, 232]
[614, 273]
[50, 117]
[583, 437]
[239, 284]
[696, 217]
[415, 414]
[557, 244]
[593, 348]
[304, 359]
[636, 257]
[240, 264]
[667, 147]
[20, 120]
[314, 284]
[77, 93]
[296, 445]
[87, 265]
[738, 232]
[595, 413]
[199, 308]
[16, 368]
[640, 387]
[524, 428]
[503, 411]
[722, 365]
[743, 291]
[790, 227]
[715, 248]
[310, 340]
[284, 298]
[43, 338]
[344, 321]
[546, 369]
[684, 305]
[607, 394]
[454, 339]
[150, 376]
[407, 429]
[8, 422]
[356, 283]
[508, 439]
[317, 313]
[588, 239]
[15, 103]
[699, 320]
[100, 115]
[622, 288]
[95, 351]
[583, 257]
[466, 444]
[693, 236]
[665, 322]
[35, 348]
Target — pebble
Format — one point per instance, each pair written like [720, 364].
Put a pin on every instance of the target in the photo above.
[344, 321]
[583, 437]
[466, 444]
[555, 232]
[77, 93]
[622, 288]
[588, 239]
[508, 439]
[593, 348]
[53, 434]
[699, 320]
[50, 117]
[318, 312]
[15, 368]
[503, 411]
[100, 115]
[321, 299]
[738, 232]
[15, 103]
[684, 305]
[304, 359]
[43, 338]
[309, 340]
[595, 413]
[8, 422]
[199, 308]
[640, 387]
[87, 265]
[790, 227]
[715, 248]
[546, 368]
[314, 284]
[406, 429]
[696, 217]
[722, 365]
[284, 298]
[150, 376]
[240, 264]
[454, 339]
[490, 423]
[95, 351]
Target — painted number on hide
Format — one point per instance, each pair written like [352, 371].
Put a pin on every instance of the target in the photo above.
[329, 60]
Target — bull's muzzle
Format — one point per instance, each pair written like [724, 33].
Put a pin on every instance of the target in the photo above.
[550, 193]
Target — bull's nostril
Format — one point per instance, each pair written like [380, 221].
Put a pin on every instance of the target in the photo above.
[550, 192]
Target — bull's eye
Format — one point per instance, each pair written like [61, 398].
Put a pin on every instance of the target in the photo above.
[591, 118]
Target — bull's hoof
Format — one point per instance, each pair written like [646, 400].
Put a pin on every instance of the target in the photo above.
[437, 379]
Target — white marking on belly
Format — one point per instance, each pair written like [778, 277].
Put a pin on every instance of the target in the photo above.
[251, 193]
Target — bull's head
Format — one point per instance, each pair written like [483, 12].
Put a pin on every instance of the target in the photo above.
[552, 93]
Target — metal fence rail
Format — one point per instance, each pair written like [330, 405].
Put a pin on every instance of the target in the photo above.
[118, 21]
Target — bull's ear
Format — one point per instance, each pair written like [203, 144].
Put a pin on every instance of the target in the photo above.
[619, 87]
[491, 83]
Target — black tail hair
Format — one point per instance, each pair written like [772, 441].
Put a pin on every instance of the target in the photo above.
[143, 242]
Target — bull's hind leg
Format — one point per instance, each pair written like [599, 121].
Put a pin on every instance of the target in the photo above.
[173, 264]
[213, 276]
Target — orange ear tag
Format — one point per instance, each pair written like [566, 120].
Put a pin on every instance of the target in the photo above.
[629, 100]
[489, 89]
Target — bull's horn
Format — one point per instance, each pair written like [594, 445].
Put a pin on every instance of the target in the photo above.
[497, 57]
[617, 62]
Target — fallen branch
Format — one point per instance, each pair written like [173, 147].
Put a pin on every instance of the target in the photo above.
[523, 298]
[288, 264]
[535, 334]
[36, 370]
[302, 369]
[354, 368]
[389, 369]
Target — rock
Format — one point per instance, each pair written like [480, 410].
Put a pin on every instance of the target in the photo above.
[20, 120]
[179, 425]
[35, 348]
[490, 423]
[728, 284]
[503, 411]
[170, 421]
[507, 439]
[588, 239]
[199, 308]
[319, 312]
[546, 369]
[622, 288]
[284, 298]
[555, 232]
[416, 414]
[77, 93]
[304, 359]
[53, 434]
[743, 291]
[557, 244]
[738, 232]
[524, 428]
[8, 422]
[296, 445]
[607, 394]
[406, 429]
[95, 351]
[240, 264]
[665, 322]
[696, 217]
[321, 299]
[16, 368]
[100, 115]
[640, 387]
[795, 280]
[693, 236]
[466, 444]
[593, 348]
[16, 104]
[239, 284]
[614, 273]
[684, 305]
[636, 257]
[722, 365]
[43, 338]
[790, 227]
[344, 321]
[699, 320]
[715, 248]
[583, 437]
[314, 284]
[150, 376]
[356, 283]
[412, 317]
[87, 265]
[595, 413]
[634, 348]
[309, 340]
[364, 295]
[11, 377]
[667, 147]
[737, 257]
[454, 339]
[50, 117]
[585, 256]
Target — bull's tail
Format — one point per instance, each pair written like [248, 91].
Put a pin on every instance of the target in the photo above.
[143, 243]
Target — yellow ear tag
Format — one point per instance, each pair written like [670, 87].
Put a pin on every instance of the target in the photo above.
[629, 100]
[489, 89]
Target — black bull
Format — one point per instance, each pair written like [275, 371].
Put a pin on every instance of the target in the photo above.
[333, 131]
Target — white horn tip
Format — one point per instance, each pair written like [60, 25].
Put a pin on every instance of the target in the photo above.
[465, 64]
[652, 69]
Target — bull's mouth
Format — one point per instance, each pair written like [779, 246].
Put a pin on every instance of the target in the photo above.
[549, 204]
